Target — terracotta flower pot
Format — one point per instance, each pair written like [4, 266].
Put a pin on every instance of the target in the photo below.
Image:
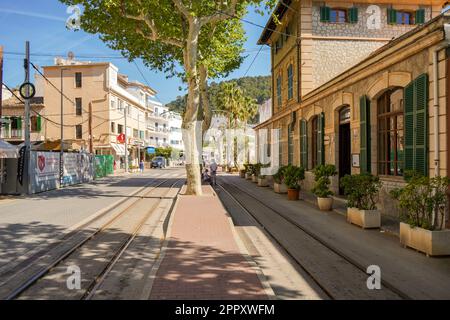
[242, 173]
[325, 204]
[293, 194]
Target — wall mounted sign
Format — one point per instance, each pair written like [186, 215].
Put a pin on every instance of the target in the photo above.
[355, 160]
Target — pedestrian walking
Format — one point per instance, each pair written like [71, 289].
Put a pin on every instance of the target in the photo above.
[141, 165]
[213, 168]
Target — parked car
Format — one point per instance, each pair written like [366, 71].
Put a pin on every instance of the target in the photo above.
[158, 162]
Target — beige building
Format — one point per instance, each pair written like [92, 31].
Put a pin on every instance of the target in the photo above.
[100, 106]
[384, 114]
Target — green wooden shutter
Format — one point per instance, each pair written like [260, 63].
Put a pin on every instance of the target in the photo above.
[320, 139]
[290, 143]
[420, 16]
[416, 125]
[421, 124]
[364, 125]
[324, 14]
[408, 114]
[19, 123]
[6, 127]
[38, 124]
[391, 16]
[303, 144]
[353, 15]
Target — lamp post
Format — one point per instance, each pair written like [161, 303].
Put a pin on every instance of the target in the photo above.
[61, 149]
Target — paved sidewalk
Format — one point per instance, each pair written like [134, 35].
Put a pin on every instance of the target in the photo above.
[202, 259]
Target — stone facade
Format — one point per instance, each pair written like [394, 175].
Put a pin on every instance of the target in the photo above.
[361, 29]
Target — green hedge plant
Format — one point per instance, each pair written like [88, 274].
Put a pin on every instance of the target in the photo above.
[361, 190]
[292, 176]
[278, 177]
[423, 201]
[322, 174]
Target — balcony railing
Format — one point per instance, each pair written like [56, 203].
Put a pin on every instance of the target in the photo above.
[11, 133]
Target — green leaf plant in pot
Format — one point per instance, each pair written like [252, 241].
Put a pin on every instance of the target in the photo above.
[249, 172]
[278, 181]
[262, 179]
[292, 177]
[423, 202]
[243, 171]
[256, 169]
[321, 189]
[361, 191]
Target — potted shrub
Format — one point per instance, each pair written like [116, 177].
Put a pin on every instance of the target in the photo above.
[278, 185]
[362, 191]
[243, 171]
[256, 169]
[423, 201]
[292, 176]
[321, 189]
[262, 179]
[249, 172]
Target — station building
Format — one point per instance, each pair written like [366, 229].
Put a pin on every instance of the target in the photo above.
[363, 99]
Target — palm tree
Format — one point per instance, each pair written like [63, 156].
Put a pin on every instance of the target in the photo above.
[248, 110]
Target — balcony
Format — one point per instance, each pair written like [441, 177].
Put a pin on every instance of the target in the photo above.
[12, 133]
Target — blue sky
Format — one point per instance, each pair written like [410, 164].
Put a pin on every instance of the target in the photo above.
[43, 24]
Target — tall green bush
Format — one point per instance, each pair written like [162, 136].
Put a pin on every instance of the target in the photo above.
[322, 174]
[292, 176]
[361, 190]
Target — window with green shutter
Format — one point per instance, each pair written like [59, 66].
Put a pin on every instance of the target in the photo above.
[280, 147]
[364, 124]
[420, 16]
[391, 16]
[320, 139]
[416, 125]
[325, 14]
[353, 15]
[303, 144]
[291, 143]
[39, 123]
[279, 91]
[290, 72]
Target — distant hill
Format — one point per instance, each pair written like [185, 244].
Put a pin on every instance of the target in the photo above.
[258, 88]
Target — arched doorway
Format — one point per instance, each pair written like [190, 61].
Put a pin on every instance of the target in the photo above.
[344, 144]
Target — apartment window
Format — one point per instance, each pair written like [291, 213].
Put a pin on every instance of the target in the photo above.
[113, 127]
[338, 15]
[390, 133]
[78, 106]
[35, 123]
[290, 82]
[135, 133]
[120, 105]
[279, 91]
[141, 135]
[113, 104]
[78, 131]
[119, 128]
[78, 81]
[405, 17]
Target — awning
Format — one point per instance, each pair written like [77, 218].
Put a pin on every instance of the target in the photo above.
[119, 149]
[8, 150]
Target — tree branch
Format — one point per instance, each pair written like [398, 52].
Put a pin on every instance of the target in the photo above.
[150, 23]
[183, 9]
[220, 15]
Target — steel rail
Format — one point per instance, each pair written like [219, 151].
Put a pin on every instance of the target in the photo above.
[38, 275]
[338, 252]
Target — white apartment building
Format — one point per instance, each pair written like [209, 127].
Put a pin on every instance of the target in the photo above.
[175, 135]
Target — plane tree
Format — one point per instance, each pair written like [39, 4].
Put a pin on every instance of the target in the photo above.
[192, 39]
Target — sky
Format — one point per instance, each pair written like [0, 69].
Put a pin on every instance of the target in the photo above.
[43, 24]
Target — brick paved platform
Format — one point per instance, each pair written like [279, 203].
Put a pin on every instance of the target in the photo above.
[202, 259]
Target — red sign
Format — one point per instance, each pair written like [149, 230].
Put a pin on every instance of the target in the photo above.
[121, 138]
[41, 163]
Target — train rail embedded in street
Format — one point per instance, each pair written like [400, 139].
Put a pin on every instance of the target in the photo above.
[106, 269]
[324, 244]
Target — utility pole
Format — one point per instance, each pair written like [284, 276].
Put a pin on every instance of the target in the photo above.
[1, 87]
[139, 144]
[27, 141]
[126, 138]
[91, 147]
[61, 148]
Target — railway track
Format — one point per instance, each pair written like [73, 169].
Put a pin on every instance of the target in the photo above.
[15, 288]
[238, 195]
